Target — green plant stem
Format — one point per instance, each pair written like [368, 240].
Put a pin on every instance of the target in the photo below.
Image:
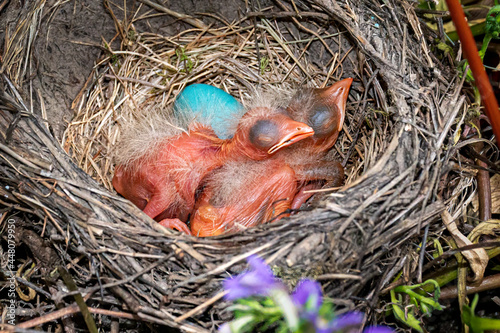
[477, 29]
[484, 47]
[283, 300]
[478, 324]
[445, 278]
[68, 281]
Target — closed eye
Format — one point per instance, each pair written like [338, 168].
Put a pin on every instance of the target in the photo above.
[322, 120]
[264, 134]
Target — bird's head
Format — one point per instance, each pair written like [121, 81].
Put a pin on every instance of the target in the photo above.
[323, 109]
[263, 131]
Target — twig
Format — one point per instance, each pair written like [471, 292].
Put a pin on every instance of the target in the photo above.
[68, 281]
[451, 275]
[72, 309]
[374, 197]
[476, 66]
[338, 276]
[488, 283]
[200, 307]
[33, 286]
[3, 4]
[483, 181]
[289, 14]
[484, 192]
[130, 79]
[186, 18]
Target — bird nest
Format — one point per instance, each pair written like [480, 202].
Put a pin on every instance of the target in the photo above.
[399, 146]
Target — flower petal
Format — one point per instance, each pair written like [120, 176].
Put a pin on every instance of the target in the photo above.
[256, 281]
[308, 291]
[378, 329]
[261, 268]
[346, 321]
[236, 289]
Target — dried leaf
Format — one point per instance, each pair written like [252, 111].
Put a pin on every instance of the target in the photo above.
[477, 258]
[489, 228]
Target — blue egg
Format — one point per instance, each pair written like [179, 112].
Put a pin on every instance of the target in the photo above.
[210, 106]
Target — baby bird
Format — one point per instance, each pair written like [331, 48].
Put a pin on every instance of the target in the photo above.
[243, 194]
[210, 106]
[163, 180]
[324, 110]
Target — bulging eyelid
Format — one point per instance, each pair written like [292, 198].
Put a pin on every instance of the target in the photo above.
[263, 133]
[323, 121]
[321, 115]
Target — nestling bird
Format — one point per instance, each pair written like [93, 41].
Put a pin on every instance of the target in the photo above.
[321, 108]
[160, 172]
[240, 195]
[324, 110]
[209, 105]
[243, 194]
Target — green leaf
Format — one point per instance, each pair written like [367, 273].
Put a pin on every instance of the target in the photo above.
[431, 303]
[421, 302]
[182, 56]
[243, 324]
[438, 247]
[476, 29]
[447, 49]
[326, 310]
[493, 22]
[400, 315]
[478, 324]
[264, 62]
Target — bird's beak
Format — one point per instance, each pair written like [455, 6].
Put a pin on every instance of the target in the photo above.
[294, 131]
[337, 94]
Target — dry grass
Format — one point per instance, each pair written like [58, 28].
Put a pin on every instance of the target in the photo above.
[151, 70]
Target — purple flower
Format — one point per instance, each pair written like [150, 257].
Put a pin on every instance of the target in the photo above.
[308, 293]
[345, 322]
[378, 329]
[351, 322]
[259, 280]
[300, 310]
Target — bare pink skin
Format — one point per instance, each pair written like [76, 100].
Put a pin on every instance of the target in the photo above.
[177, 225]
[164, 184]
[267, 196]
[285, 179]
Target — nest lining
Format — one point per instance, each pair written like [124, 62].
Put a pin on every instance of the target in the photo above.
[147, 78]
[400, 116]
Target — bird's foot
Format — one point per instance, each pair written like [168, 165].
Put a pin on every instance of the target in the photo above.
[303, 195]
[176, 224]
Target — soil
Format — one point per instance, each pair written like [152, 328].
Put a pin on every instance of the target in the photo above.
[70, 40]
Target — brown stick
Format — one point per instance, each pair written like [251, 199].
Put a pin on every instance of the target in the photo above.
[325, 17]
[72, 309]
[483, 180]
[186, 18]
[484, 192]
[476, 66]
[488, 283]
